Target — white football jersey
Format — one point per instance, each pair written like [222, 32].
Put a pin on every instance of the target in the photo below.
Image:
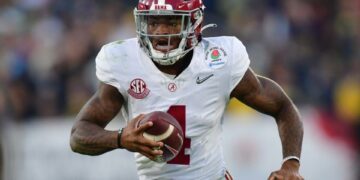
[197, 98]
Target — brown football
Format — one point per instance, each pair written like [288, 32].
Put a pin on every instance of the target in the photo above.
[165, 129]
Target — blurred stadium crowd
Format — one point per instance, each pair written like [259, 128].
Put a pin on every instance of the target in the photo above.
[310, 47]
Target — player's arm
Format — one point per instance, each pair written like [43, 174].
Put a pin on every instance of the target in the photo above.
[268, 97]
[88, 135]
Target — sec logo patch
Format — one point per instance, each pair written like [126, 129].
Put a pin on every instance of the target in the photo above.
[138, 89]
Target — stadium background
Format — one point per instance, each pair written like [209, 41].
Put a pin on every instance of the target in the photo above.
[311, 48]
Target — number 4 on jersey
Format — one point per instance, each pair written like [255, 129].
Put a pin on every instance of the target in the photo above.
[179, 113]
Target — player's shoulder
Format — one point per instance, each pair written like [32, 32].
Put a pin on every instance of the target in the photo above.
[119, 47]
[228, 44]
[116, 53]
[223, 52]
[222, 41]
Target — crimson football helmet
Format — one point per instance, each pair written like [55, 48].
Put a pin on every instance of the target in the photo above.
[191, 15]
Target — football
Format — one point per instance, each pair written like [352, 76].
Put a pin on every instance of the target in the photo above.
[165, 129]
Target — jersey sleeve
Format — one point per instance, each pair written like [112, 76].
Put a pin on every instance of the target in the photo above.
[104, 69]
[239, 64]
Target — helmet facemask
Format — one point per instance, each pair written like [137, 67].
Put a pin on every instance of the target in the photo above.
[167, 48]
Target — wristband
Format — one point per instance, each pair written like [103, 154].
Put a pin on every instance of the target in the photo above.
[119, 138]
[290, 157]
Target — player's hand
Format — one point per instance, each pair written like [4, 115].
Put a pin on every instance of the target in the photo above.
[133, 140]
[289, 171]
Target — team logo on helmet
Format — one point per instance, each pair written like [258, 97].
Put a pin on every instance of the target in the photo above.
[216, 57]
[138, 89]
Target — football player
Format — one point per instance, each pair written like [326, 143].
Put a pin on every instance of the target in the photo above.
[170, 67]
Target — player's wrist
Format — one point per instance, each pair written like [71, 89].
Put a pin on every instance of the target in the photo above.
[119, 135]
[294, 158]
[291, 162]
